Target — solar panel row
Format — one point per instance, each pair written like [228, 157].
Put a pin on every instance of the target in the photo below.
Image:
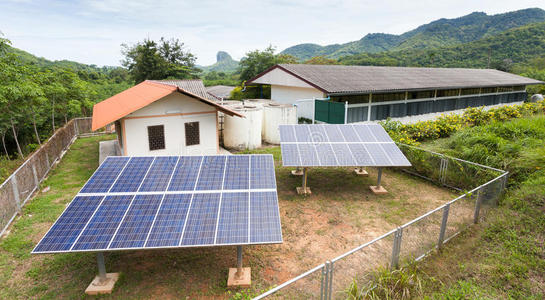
[335, 133]
[239, 206]
[339, 145]
[149, 174]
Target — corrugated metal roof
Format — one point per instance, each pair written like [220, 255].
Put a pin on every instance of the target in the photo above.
[336, 79]
[220, 91]
[139, 96]
[194, 86]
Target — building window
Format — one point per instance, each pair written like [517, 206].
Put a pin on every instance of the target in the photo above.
[420, 95]
[156, 137]
[488, 90]
[192, 133]
[447, 93]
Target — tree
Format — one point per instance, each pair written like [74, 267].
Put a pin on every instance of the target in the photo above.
[321, 60]
[158, 60]
[258, 61]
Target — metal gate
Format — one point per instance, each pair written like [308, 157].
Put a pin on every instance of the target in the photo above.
[329, 111]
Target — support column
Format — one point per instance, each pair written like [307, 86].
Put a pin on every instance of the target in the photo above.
[239, 276]
[304, 189]
[103, 282]
[378, 189]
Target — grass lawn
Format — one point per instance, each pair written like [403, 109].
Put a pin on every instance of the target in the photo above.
[341, 214]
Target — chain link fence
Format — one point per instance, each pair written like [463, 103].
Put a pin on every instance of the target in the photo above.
[25, 181]
[481, 187]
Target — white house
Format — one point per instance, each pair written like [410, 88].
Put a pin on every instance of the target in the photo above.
[162, 118]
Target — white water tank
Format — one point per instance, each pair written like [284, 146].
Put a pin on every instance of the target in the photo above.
[275, 114]
[243, 133]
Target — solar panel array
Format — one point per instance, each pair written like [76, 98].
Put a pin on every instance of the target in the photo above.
[170, 201]
[332, 145]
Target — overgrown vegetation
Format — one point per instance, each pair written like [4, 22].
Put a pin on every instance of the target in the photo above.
[447, 124]
[503, 256]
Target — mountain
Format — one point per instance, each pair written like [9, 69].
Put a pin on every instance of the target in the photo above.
[439, 33]
[224, 63]
[519, 46]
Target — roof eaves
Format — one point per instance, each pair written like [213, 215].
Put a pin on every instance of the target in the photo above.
[289, 72]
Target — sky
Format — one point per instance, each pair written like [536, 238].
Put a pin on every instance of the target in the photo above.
[92, 32]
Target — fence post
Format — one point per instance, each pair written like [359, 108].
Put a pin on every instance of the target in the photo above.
[76, 127]
[477, 207]
[396, 248]
[443, 226]
[323, 285]
[16, 191]
[313, 110]
[36, 181]
[330, 280]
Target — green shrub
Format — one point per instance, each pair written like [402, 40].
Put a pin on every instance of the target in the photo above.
[446, 125]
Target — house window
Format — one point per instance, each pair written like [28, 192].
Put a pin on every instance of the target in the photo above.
[156, 137]
[192, 133]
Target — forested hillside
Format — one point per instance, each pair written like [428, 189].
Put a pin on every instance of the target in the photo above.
[516, 46]
[439, 33]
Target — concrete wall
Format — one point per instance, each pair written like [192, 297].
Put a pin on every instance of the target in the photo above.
[290, 95]
[172, 111]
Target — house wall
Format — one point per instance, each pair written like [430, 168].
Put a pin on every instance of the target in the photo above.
[290, 95]
[172, 111]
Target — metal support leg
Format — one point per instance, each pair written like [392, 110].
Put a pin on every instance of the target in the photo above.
[396, 248]
[477, 207]
[379, 176]
[304, 190]
[101, 268]
[443, 226]
[239, 272]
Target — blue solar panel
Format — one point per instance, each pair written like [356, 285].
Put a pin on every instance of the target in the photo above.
[344, 155]
[287, 133]
[302, 134]
[200, 228]
[233, 220]
[290, 155]
[318, 134]
[102, 226]
[333, 133]
[349, 134]
[395, 154]
[201, 214]
[211, 176]
[105, 175]
[133, 174]
[237, 173]
[264, 218]
[363, 158]
[159, 174]
[169, 224]
[262, 172]
[380, 158]
[326, 155]
[332, 145]
[380, 134]
[365, 133]
[308, 155]
[185, 174]
[66, 229]
[133, 231]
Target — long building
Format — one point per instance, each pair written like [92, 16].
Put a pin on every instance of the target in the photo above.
[368, 93]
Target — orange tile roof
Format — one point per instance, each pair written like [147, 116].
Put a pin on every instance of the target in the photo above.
[137, 97]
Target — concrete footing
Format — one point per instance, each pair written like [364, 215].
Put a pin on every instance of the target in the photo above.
[361, 172]
[243, 281]
[303, 191]
[378, 190]
[96, 287]
[297, 172]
